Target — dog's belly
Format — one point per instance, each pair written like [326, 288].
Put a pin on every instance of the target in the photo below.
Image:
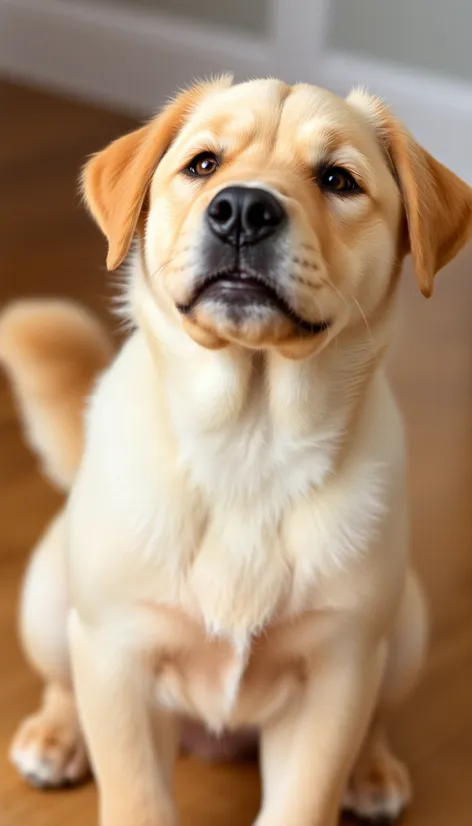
[224, 686]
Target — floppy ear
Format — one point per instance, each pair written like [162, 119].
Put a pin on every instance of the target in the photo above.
[438, 204]
[115, 181]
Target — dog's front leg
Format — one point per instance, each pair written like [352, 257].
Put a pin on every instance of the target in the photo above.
[132, 744]
[308, 752]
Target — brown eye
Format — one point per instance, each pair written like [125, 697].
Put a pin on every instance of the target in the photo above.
[202, 165]
[338, 180]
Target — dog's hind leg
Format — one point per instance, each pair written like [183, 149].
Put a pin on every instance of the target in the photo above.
[53, 352]
[48, 749]
[379, 786]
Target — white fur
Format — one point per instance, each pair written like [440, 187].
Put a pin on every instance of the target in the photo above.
[219, 486]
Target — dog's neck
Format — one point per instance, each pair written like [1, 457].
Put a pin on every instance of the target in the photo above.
[235, 400]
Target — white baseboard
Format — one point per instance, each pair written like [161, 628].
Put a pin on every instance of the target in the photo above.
[132, 61]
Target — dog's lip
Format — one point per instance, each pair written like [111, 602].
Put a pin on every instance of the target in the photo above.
[239, 279]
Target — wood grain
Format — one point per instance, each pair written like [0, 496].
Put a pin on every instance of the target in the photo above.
[49, 247]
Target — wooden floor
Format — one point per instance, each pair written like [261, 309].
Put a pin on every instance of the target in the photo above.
[49, 247]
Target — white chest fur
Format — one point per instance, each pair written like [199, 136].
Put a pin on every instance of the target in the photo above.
[252, 450]
[212, 487]
[231, 498]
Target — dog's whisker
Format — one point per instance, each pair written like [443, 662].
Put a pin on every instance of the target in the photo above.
[363, 315]
[339, 293]
[159, 270]
[318, 307]
[172, 259]
[358, 306]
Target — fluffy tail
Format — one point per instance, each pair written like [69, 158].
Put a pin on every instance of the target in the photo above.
[53, 352]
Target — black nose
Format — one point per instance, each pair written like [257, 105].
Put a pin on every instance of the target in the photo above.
[244, 215]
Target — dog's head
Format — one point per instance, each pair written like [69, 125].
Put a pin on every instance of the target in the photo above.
[274, 216]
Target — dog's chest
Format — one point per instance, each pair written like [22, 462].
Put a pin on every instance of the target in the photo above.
[230, 685]
[237, 521]
[251, 478]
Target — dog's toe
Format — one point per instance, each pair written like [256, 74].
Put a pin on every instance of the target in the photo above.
[379, 790]
[49, 756]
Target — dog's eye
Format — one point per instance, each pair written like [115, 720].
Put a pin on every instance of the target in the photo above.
[338, 180]
[202, 165]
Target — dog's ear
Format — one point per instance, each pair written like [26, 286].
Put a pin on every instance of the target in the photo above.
[115, 181]
[438, 204]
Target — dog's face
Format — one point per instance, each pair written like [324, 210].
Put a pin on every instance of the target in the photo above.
[273, 216]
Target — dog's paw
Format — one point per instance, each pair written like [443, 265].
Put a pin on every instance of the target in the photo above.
[379, 788]
[49, 754]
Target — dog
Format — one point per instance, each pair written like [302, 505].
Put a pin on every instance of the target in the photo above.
[234, 548]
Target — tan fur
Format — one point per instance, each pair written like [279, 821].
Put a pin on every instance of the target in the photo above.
[115, 183]
[237, 539]
[53, 352]
[437, 203]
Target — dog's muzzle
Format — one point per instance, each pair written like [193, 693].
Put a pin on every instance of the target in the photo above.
[241, 259]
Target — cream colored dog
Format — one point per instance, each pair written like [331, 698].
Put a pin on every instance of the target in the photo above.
[236, 538]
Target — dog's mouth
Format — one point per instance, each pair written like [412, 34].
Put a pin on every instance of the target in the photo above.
[241, 290]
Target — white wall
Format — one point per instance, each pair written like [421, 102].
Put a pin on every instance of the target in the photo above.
[243, 15]
[128, 54]
[430, 34]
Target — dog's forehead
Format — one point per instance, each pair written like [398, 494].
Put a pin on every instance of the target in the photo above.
[269, 110]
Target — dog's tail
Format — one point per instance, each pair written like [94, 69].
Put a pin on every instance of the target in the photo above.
[53, 352]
